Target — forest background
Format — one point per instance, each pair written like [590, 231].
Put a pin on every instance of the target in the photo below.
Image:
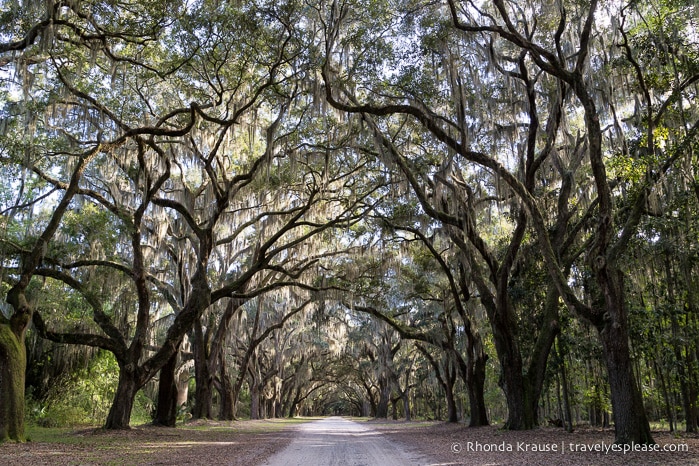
[472, 211]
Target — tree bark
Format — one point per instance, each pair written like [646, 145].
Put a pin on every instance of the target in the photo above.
[13, 356]
[446, 377]
[520, 415]
[166, 411]
[226, 394]
[449, 380]
[520, 393]
[182, 381]
[630, 421]
[567, 416]
[13, 361]
[203, 391]
[120, 412]
[533, 378]
[384, 398]
[520, 401]
[476, 387]
[406, 406]
[255, 390]
[293, 405]
[366, 408]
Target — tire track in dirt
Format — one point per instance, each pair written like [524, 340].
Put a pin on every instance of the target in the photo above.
[339, 442]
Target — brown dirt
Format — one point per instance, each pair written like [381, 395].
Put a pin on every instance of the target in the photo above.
[248, 443]
[337, 441]
[242, 443]
[459, 445]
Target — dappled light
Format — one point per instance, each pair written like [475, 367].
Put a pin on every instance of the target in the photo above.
[221, 219]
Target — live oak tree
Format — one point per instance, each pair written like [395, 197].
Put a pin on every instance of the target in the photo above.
[659, 169]
[427, 301]
[13, 329]
[181, 170]
[173, 181]
[372, 361]
[609, 239]
[346, 194]
[573, 62]
[264, 230]
[142, 163]
[445, 371]
[444, 195]
[41, 137]
[224, 172]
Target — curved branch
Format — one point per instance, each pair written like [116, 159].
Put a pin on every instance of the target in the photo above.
[99, 316]
[88, 339]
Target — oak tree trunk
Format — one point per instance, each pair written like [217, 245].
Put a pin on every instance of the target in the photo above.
[13, 361]
[476, 387]
[630, 421]
[520, 412]
[120, 413]
[384, 398]
[226, 395]
[519, 396]
[452, 413]
[293, 405]
[166, 411]
[203, 392]
[406, 406]
[255, 400]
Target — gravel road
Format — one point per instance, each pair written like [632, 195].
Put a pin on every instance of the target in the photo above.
[340, 442]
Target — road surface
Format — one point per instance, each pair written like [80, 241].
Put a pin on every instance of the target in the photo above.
[340, 442]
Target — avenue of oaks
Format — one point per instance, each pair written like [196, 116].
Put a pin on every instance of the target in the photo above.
[477, 211]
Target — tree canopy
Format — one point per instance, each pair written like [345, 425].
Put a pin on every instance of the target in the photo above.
[458, 209]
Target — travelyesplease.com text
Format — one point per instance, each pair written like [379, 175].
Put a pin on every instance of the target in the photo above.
[564, 447]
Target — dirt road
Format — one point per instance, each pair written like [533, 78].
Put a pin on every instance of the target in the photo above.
[340, 442]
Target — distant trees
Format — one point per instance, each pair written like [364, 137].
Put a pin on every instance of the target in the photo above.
[191, 200]
[503, 130]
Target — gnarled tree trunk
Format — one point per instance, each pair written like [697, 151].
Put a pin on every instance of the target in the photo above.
[384, 398]
[166, 411]
[226, 393]
[630, 421]
[475, 388]
[120, 412]
[204, 379]
[13, 361]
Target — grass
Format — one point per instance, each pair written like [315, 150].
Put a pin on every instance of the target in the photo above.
[398, 424]
[71, 435]
[247, 426]
[36, 433]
